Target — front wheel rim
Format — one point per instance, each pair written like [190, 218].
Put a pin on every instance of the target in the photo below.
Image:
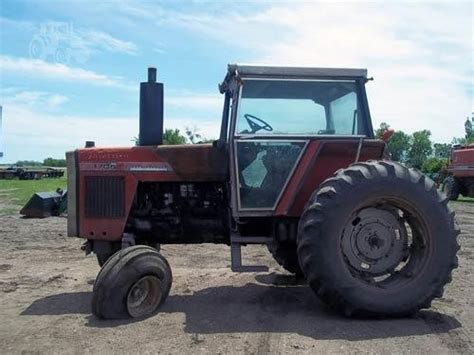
[144, 296]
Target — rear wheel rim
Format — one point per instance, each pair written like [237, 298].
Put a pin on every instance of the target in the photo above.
[144, 296]
[385, 245]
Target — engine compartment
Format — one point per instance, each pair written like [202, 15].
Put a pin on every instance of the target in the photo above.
[180, 213]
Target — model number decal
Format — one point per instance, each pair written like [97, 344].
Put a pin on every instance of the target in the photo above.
[149, 167]
[126, 166]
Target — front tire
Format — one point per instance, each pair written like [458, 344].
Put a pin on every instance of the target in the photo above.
[452, 188]
[134, 282]
[377, 239]
[104, 255]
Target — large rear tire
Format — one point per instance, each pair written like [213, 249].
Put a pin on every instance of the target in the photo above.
[285, 255]
[452, 188]
[134, 282]
[377, 239]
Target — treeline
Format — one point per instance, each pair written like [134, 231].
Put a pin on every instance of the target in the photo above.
[173, 136]
[57, 163]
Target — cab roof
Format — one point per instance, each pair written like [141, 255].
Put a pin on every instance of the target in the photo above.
[284, 72]
[297, 72]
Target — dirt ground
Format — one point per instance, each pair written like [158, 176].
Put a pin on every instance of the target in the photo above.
[45, 296]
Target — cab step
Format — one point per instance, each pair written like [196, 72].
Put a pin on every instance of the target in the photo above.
[236, 243]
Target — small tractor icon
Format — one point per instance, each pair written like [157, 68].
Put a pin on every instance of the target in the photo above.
[58, 42]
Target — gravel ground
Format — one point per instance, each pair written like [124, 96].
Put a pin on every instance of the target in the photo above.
[45, 296]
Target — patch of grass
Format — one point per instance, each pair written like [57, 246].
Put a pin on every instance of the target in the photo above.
[465, 199]
[18, 192]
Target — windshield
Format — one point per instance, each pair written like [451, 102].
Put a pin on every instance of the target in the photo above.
[283, 107]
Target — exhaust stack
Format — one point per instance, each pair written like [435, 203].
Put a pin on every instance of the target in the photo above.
[151, 111]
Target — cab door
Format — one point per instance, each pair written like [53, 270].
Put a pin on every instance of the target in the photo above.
[273, 123]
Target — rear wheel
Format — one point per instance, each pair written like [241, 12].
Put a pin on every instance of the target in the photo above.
[134, 282]
[452, 188]
[377, 239]
[285, 255]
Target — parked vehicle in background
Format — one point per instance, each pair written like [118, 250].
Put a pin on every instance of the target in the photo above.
[34, 173]
[461, 172]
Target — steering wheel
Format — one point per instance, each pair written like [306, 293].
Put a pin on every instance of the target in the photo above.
[256, 124]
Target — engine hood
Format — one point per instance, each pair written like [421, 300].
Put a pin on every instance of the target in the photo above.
[187, 162]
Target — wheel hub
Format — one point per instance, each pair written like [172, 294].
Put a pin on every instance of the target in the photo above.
[144, 296]
[374, 241]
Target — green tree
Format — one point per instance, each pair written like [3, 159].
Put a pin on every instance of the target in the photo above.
[54, 162]
[398, 145]
[442, 150]
[379, 131]
[434, 165]
[173, 137]
[458, 141]
[194, 137]
[27, 163]
[420, 149]
[170, 137]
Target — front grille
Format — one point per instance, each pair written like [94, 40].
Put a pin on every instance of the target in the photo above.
[72, 180]
[105, 196]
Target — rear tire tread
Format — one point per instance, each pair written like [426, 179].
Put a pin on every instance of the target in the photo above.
[317, 212]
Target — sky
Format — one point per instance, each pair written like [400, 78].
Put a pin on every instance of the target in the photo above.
[70, 70]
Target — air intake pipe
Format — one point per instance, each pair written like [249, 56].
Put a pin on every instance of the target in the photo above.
[151, 111]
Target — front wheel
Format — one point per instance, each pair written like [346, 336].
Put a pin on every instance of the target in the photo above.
[377, 239]
[451, 188]
[133, 283]
[104, 255]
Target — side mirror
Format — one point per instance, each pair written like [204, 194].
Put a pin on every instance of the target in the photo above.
[387, 134]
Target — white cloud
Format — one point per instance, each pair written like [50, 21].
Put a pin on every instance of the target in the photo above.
[194, 100]
[51, 135]
[420, 54]
[68, 36]
[30, 116]
[32, 99]
[104, 41]
[55, 101]
[36, 68]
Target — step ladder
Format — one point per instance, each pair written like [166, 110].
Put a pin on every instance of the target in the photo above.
[236, 242]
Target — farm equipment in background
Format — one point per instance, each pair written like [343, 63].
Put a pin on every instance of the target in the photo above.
[461, 172]
[296, 168]
[46, 204]
[21, 173]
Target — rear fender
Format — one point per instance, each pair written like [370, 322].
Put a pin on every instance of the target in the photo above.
[321, 160]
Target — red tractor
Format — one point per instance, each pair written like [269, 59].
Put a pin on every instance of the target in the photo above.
[461, 170]
[296, 167]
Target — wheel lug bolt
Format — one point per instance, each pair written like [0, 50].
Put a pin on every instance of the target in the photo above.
[364, 266]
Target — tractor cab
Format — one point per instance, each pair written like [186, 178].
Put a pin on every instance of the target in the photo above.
[273, 115]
